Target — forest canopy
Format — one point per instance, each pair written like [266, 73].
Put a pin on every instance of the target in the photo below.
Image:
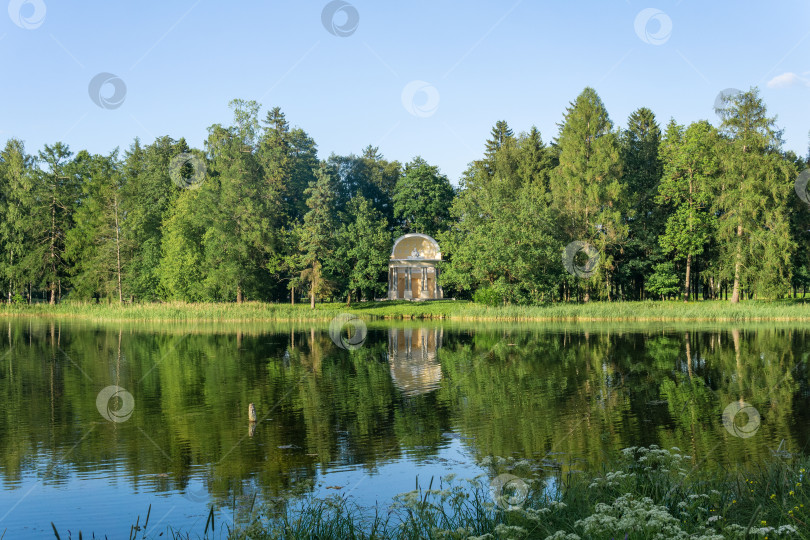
[663, 211]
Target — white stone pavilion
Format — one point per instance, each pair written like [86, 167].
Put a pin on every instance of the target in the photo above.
[412, 271]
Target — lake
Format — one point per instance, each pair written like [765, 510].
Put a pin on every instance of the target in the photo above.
[100, 421]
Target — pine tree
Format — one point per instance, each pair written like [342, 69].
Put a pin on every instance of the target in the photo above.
[318, 235]
[501, 135]
[96, 244]
[288, 157]
[240, 241]
[51, 203]
[585, 188]
[16, 183]
[535, 160]
[753, 227]
[641, 173]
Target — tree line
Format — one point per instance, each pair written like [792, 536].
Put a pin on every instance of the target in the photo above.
[684, 211]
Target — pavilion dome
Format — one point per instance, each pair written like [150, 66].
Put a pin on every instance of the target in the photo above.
[416, 246]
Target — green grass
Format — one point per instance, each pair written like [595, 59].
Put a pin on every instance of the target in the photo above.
[719, 311]
[643, 493]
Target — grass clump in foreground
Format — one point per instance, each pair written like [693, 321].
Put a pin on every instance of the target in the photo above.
[716, 310]
[646, 493]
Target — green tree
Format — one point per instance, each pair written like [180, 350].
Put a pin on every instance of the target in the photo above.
[369, 175]
[149, 196]
[288, 157]
[364, 246]
[16, 182]
[641, 173]
[182, 265]
[422, 199]
[318, 235]
[501, 135]
[240, 241]
[691, 167]
[51, 204]
[96, 245]
[753, 226]
[534, 160]
[663, 281]
[500, 235]
[586, 190]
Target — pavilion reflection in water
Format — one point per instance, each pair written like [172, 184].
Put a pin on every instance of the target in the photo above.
[413, 360]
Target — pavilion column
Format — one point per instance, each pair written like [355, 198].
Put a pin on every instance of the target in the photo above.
[408, 292]
[423, 292]
[436, 282]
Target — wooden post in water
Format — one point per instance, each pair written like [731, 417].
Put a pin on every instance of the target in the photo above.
[251, 413]
[251, 420]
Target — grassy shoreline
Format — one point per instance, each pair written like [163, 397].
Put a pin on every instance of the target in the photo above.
[711, 311]
[644, 493]
[641, 494]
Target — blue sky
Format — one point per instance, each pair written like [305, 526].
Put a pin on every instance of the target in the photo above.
[413, 78]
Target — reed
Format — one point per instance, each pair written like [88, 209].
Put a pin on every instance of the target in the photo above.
[650, 311]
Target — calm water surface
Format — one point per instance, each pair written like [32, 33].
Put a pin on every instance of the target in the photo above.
[406, 402]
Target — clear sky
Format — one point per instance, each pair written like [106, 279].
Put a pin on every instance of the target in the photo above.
[413, 78]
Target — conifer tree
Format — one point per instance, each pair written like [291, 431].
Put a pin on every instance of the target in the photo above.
[585, 187]
[318, 235]
[753, 226]
[641, 173]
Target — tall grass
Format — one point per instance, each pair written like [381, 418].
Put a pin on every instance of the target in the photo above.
[643, 493]
[719, 311]
[647, 493]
